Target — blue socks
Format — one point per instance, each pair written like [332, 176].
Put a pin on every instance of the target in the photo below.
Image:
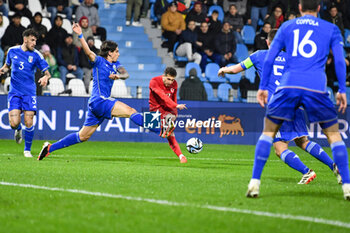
[69, 140]
[293, 161]
[262, 152]
[19, 127]
[316, 151]
[28, 137]
[137, 118]
[340, 156]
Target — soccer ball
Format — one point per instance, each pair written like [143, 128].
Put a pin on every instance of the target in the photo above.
[194, 145]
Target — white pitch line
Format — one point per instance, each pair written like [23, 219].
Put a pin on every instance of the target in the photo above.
[172, 203]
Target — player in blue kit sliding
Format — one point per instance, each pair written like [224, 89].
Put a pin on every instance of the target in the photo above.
[24, 60]
[307, 41]
[295, 130]
[106, 69]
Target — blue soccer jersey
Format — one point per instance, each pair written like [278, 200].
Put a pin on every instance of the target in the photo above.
[307, 41]
[102, 84]
[23, 67]
[100, 104]
[258, 59]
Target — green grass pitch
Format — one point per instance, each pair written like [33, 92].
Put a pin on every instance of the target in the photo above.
[142, 187]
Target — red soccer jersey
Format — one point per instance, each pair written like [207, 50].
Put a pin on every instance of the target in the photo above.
[162, 98]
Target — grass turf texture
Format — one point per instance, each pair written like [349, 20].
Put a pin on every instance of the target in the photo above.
[217, 176]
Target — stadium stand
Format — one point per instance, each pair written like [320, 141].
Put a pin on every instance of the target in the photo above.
[331, 94]
[250, 74]
[241, 52]
[248, 34]
[77, 87]
[211, 73]
[7, 85]
[190, 66]
[219, 10]
[251, 96]
[119, 89]
[25, 22]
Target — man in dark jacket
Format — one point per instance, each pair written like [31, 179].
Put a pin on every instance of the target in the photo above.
[235, 21]
[189, 43]
[13, 33]
[40, 29]
[196, 14]
[56, 35]
[68, 59]
[20, 7]
[335, 18]
[192, 88]
[225, 45]
[260, 38]
[206, 47]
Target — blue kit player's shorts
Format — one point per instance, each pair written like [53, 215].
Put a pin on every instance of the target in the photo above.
[21, 102]
[291, 130]
[99, 109]
[286, 101]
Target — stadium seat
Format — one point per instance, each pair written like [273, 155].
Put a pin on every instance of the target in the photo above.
[248, 34]
[250, 74]
[77, 87]
[67, 26]
[119, 89]
[190, 66]
[55, 86]
[211, 73]
[331, 94]
[241, 52]
[25, 22]
[251, 96]
[7, 85]
[218, 9]
[224, 91]
[46, 22]
[5, 21]
[347, 38]
[210, 92]
[176, 57]
[34, 6]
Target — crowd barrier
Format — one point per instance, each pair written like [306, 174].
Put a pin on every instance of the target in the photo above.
[212, 122]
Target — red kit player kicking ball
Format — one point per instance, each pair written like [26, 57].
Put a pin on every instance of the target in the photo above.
[162, 98]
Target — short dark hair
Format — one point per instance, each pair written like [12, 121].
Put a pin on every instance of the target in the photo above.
[272, 34]
[309, 5]
[107, 46]
[170, 71]
[30, 32]
[58, 17]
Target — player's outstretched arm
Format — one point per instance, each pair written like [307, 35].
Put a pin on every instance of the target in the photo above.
[45, 79]
[77, 29]
[4, 69]
[230, 70]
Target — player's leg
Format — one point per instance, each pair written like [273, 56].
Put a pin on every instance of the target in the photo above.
[167, 123]
[316, 151]
[293, 161]
[262, 152]
[340, 155]
[28, 132]
[15, 123]
[71, 139]
[123, 110]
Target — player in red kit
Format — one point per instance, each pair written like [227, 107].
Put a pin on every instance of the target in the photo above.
[163, 98]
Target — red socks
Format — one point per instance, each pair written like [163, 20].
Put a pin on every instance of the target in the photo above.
[174, 145]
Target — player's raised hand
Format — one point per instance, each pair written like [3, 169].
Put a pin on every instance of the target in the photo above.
[261, 96]
[181, 106]
[76, 28]
[341, 101]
